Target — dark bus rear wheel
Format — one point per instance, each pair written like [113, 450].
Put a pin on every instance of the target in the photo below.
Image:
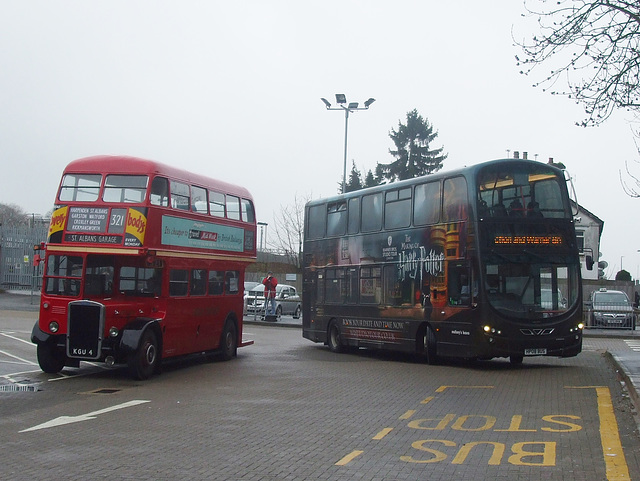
[333, 338]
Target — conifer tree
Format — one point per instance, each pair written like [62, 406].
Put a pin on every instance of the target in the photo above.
[413, 154]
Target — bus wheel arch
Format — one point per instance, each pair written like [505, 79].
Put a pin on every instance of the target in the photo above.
[334, 339]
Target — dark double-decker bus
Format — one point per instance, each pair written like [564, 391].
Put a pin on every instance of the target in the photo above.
[143, 262]
[476, 263]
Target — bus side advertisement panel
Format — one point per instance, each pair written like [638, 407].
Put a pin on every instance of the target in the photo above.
[56, 226]
[203, 235]
[135, 227]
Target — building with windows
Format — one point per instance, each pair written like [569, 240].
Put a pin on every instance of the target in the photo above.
[588, 231]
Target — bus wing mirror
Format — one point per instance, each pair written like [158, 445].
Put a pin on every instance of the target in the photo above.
[589, 262]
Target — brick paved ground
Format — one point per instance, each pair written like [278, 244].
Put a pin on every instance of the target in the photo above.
[290, 409]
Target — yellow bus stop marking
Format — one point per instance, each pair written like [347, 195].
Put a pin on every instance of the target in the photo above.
[382, 434]
[614, 460]
[442, 388]
[349, 457]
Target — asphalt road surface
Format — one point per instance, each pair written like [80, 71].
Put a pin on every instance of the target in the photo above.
[288, 409]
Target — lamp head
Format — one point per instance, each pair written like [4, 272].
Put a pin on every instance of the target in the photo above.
[326, 103]
[369, 102]
[341, 98]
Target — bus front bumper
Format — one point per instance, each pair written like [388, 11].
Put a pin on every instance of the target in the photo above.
[566, 346]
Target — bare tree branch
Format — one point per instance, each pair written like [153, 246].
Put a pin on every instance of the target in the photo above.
[593, 45]
[631, 186]
[287, 231]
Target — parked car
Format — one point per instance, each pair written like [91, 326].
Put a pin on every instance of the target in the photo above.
[612, 309]
[288, 301]
[247, 287]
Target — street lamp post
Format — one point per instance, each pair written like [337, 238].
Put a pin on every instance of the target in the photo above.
[263, 234]
[341, 99]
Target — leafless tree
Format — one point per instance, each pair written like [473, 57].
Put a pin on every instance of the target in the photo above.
[593, 45]
[287, 230]
[13, 215]
[631, 185]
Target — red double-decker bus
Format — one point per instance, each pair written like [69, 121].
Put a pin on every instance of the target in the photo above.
[143, 262]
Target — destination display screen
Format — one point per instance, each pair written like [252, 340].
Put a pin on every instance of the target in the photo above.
[528, 240]
[98, 225]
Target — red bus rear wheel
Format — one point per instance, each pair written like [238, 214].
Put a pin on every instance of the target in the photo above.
[229, 341]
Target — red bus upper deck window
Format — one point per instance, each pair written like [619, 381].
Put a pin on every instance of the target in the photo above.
[248, 214]
[198, 199]
[80, 187]
[233, 207]
[159, 192]
[216, 204]
[180, 198]
[125, 188]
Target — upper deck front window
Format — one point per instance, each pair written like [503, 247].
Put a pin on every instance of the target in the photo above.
[80, 188]
[125, 188]
[521, 191]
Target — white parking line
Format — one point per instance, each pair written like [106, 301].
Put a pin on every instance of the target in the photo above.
[22, 361]
[16, 338]
[633, 344]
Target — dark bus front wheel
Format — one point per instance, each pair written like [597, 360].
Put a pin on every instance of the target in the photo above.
[429, 346]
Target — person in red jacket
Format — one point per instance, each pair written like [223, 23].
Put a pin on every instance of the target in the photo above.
[270, 283]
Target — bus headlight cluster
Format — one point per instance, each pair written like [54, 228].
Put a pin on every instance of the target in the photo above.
[491, 330]
[113, 331]
[578, 328]
[54, 326]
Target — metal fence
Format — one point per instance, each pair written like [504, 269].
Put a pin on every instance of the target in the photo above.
[622, 316]
[17, 269]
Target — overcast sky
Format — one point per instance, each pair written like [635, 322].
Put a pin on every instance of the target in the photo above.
[232, 90]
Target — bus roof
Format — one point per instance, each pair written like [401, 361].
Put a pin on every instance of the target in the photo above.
[124, 164]
[469, 170]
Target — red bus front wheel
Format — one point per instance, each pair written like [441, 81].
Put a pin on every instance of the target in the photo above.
[50, 358]
[144, 361]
